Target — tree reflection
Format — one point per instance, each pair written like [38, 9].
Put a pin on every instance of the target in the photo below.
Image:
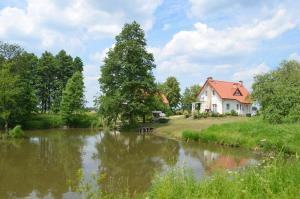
[40, 165]
[129, 162]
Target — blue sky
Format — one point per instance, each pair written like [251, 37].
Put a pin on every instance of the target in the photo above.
[191, 39]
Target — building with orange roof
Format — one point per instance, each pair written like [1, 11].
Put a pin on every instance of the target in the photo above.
[222, 97]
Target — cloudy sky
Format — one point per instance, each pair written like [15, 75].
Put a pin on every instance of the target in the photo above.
[191, 39]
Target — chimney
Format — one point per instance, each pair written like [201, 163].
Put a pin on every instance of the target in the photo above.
[241, 82]
[209, 78]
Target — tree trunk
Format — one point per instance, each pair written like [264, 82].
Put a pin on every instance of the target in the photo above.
[144, 119]
[6, 126]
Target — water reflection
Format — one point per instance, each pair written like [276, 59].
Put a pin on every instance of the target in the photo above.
[40, 167]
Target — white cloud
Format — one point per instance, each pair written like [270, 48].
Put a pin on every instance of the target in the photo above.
[207, 49]
[67, 23]
[248, 73]
[206, 41]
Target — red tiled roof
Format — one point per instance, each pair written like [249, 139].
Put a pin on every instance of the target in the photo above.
[226, 90]
[164, 98]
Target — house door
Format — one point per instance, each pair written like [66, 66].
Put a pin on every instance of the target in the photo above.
[214, 108]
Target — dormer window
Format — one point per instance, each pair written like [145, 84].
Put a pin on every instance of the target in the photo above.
[237, 93]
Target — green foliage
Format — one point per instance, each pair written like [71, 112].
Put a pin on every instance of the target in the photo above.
[278, 93]
[186, 114]
[73, 99]
[189, 96]
[172, 91]
[44, 121]
[127, 82]
[190, 135]
[233, 113]
[16, 132]
[254, 134]
[273, 179]
[82, 120]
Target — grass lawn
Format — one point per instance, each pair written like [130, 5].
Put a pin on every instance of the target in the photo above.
[178, 124]
[253, 134]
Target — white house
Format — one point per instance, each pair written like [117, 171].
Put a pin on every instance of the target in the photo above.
[222, 97]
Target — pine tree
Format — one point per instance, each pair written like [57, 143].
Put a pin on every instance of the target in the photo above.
[73, 97]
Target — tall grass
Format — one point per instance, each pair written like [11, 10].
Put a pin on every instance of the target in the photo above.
[251, 134]
[278, 178]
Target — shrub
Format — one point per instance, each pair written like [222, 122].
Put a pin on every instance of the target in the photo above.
[82, 120]
[213, 114]
[179, 112]
[16, 132]
[227, 114]
[186, 114]
[248, 114]
[163, 120]
[43, 121]
[233, 113]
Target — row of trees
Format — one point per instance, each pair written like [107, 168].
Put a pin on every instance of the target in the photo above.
[34, 84]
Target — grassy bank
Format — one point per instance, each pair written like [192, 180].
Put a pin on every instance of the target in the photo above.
[276, 179]
[252, 133]
[178, 124]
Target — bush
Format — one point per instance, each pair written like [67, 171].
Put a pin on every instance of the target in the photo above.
[213, 114]
[16, 132]
[82, 120]
[179, 112]
[44, 121]
[186, 114]
[233, 113]
[190, 135]
[163, 120]
[248, 114]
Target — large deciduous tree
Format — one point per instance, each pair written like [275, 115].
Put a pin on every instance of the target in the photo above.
[278, 93]
[172, 90]
[73, 97]
[127, 82]
[189, 96]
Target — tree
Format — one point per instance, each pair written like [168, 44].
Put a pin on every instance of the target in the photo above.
[73, 97]
[77, 64]
[46, 80]
[189, 96]
[126, 76]
[278, 93]
[63, 72]
[17, 94]
[172, 90]
[8, 95]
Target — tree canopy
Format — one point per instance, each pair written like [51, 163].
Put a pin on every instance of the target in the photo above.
[127, 81]
[278, 93]
[172, 91]
[73, 97]
[189, 96]
[32, 84]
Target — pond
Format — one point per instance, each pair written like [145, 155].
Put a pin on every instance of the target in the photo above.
[41, 165]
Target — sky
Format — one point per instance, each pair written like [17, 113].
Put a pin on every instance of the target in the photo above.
[230, 40]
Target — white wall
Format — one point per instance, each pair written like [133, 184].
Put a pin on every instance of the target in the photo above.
[242, 110]
[204, 99]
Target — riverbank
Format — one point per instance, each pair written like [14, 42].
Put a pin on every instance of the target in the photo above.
[274, 178]
[253, 134]
[177, 124]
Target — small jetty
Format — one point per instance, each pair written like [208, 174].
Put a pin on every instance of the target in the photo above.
[146, 130]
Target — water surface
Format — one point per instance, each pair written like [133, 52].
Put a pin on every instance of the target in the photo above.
[40, 166]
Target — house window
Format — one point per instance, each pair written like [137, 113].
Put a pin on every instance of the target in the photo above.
[214, 109]
[213, 93]
[237, 107]
[205, 93]
[227, 106]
